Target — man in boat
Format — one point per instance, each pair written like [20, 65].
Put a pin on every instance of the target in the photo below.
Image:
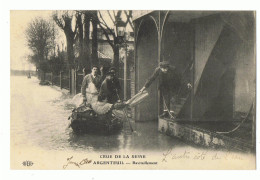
[169, 84]
[110, 87]
[90, 92]
[91, 85]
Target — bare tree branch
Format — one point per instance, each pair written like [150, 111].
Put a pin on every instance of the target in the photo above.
[112, 33]
[99, 22]
[129, 16]
[114, 13]
[111, 17]
[58, 21]
[119, 13]
[131, 24]
[107, 36]
[64, 22]
[76, 25]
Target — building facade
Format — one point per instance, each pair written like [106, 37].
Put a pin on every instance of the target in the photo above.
[213, 50]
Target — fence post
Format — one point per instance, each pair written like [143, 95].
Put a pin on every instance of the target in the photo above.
[70, 81]
[52, 78]
[60, 80]
[76, 81]
[125, 73]
[73, 80]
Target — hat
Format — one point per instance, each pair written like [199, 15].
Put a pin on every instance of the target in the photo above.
[96, 66]
[164, 64]
[110, 73]
[112, 69]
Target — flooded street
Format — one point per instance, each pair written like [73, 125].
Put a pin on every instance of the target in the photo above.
[39, 117]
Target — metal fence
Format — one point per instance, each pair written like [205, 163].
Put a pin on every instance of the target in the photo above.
[65, 80]
[61, 79]
[56, 80]
[48, 77]
[79, 79]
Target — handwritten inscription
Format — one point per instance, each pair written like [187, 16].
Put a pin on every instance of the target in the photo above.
[199, 155]
[78, 164]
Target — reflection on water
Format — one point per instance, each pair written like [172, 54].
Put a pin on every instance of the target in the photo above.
[39, 116]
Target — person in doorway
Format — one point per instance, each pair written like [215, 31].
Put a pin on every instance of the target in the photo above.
[169, 84]
[110, 87]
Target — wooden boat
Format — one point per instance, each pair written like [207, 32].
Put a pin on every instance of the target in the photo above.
[85, 120]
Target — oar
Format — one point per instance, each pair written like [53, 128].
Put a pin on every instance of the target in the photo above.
[125, 113]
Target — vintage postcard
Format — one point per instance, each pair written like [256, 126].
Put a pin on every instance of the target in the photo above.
[132, 89]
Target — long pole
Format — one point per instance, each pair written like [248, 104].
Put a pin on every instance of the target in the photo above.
[125, 73]
[125, 113]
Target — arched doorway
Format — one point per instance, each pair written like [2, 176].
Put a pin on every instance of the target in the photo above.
[146, 62]
[177, 39]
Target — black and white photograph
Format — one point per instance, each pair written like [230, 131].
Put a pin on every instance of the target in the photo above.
[133, 89]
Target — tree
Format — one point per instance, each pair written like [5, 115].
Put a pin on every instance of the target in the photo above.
[64, 21]
[79, 46]
[56, 63]
[86, 45]
[39, 39]
[94, 54]
[86, 58]
[107, 30]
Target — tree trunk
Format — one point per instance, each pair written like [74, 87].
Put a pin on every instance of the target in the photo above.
[70, 52]
[80, 29]
[86, 42]
[116, 57]
[94, 40]
[115, 62]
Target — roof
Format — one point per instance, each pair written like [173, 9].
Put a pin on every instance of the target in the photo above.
[138, 14]
[103, 56]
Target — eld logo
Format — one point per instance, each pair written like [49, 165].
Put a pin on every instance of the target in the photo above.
[27, 163]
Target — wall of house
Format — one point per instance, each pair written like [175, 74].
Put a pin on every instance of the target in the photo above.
[176, 45]
[243, 24]
[105, 48]
[177, 49]
[224, 67]
[146, 62]
[245, 81]
[207, 31]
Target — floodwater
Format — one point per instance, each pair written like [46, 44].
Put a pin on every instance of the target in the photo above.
[39, 117]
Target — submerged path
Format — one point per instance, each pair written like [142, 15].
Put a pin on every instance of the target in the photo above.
[39, 117]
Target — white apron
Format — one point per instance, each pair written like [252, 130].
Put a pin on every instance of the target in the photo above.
[92, 98]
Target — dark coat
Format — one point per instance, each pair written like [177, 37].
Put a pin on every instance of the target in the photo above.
[169, 81]
[110, 90]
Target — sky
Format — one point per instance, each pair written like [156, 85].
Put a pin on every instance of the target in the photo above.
[19, 20]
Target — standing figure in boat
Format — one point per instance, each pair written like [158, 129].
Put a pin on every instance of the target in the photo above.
[110, 88]
[90, 85]
[90, 91]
